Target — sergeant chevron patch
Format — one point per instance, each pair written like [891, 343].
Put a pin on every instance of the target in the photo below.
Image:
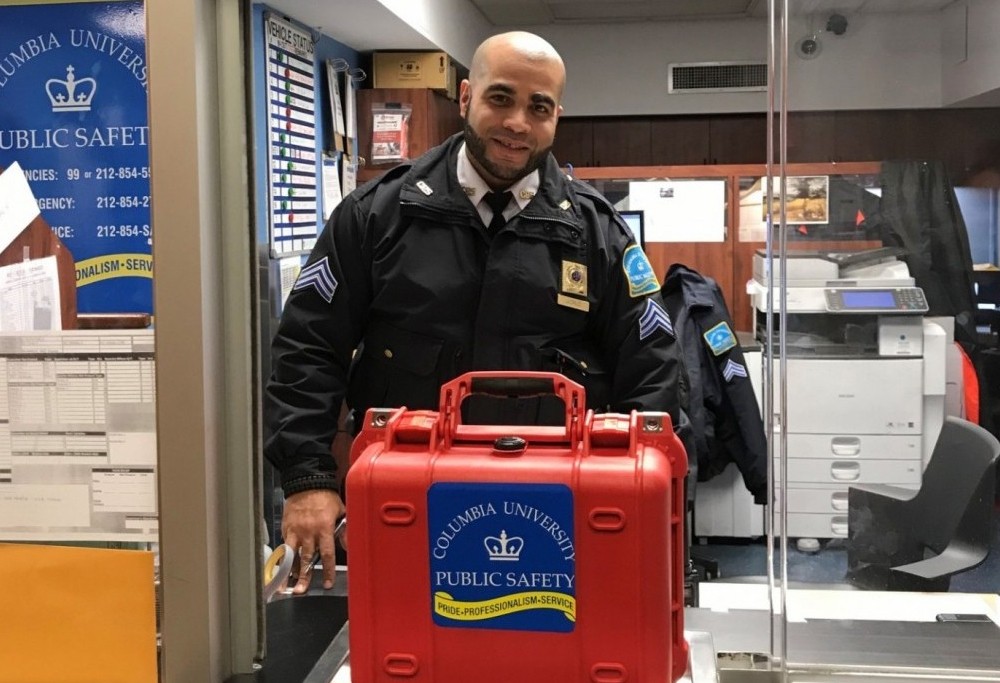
[733, 369]
[318, 276]
[654, 318]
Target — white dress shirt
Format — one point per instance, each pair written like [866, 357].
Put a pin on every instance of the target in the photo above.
[476, 188]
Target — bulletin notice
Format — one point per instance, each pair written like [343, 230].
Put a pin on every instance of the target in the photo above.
[291, 139]
[78, 436]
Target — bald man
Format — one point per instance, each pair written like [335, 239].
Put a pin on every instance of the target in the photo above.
[479, 255]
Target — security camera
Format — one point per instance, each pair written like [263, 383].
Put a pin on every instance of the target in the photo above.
[837, 24]
[808, 47]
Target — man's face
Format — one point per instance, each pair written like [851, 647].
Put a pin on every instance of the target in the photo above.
[510, 113]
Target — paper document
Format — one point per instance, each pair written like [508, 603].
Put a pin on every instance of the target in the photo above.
[78, 436]
[350, 176]
[29, 296]
[681, 211]
[290, 268]
[336, 109]
[17, 204]
[351, 113]
[331, 186]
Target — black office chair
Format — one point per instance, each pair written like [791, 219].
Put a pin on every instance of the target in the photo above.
[899, 539]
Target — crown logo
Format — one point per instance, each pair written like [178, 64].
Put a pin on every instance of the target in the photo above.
[504, 549]
[71, 94]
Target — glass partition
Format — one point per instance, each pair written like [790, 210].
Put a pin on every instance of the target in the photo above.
[860, 281]
[884, 482]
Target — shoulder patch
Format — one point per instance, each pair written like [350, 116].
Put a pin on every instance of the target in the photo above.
[654, 318]
[733, 370]
[720, 338]
[639, 273]
[317, 276]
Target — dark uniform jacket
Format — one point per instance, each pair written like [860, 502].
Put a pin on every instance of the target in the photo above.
[919, 212]
[406, 273]
[725, 419]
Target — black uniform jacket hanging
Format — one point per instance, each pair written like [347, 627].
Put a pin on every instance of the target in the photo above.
[725, 418]
[919, 212]
[406, 274]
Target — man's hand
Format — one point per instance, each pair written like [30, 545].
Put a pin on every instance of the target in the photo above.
[307, 525]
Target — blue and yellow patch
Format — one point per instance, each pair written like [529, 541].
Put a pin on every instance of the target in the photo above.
[640, 274]
[720, 339]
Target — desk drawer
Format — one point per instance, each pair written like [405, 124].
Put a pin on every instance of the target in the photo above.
[850, 471]
[828, 500]
[855, 446]
[802, 525]
[818, 500]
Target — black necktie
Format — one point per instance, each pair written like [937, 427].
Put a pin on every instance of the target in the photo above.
[497, 201]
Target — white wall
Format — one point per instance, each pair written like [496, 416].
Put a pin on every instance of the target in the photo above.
[621, 69]
[978, 76]
[456, 26]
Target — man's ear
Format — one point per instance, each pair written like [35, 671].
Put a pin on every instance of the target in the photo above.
[464, 97]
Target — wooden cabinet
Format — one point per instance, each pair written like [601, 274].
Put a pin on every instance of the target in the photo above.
[952, 136]
[811, 137]
[738, 139]
[956, 137]
[433, 118]
[621, 142]
[680, 141]
[574, 142]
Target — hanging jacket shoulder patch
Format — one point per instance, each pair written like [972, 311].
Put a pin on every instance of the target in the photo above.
[720, 339]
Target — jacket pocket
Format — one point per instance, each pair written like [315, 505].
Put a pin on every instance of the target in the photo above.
[584, 367]
[397, 367]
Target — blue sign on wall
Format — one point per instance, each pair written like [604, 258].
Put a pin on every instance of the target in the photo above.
[73, 83]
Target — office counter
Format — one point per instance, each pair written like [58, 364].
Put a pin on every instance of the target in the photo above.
[829, 629]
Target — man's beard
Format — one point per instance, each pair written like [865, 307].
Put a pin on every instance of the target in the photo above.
[477, 148]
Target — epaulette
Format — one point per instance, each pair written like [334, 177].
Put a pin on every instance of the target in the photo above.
[393, 173]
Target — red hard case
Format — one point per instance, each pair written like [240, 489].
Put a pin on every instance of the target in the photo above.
[618, 617]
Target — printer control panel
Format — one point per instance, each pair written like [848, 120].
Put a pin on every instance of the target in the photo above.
[876, 300]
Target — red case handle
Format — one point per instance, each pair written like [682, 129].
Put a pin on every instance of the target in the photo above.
[512, 384]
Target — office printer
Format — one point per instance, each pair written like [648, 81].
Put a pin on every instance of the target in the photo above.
[866, 379]
[858, 304]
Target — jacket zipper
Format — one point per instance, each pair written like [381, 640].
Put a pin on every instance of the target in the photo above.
[550, 219]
